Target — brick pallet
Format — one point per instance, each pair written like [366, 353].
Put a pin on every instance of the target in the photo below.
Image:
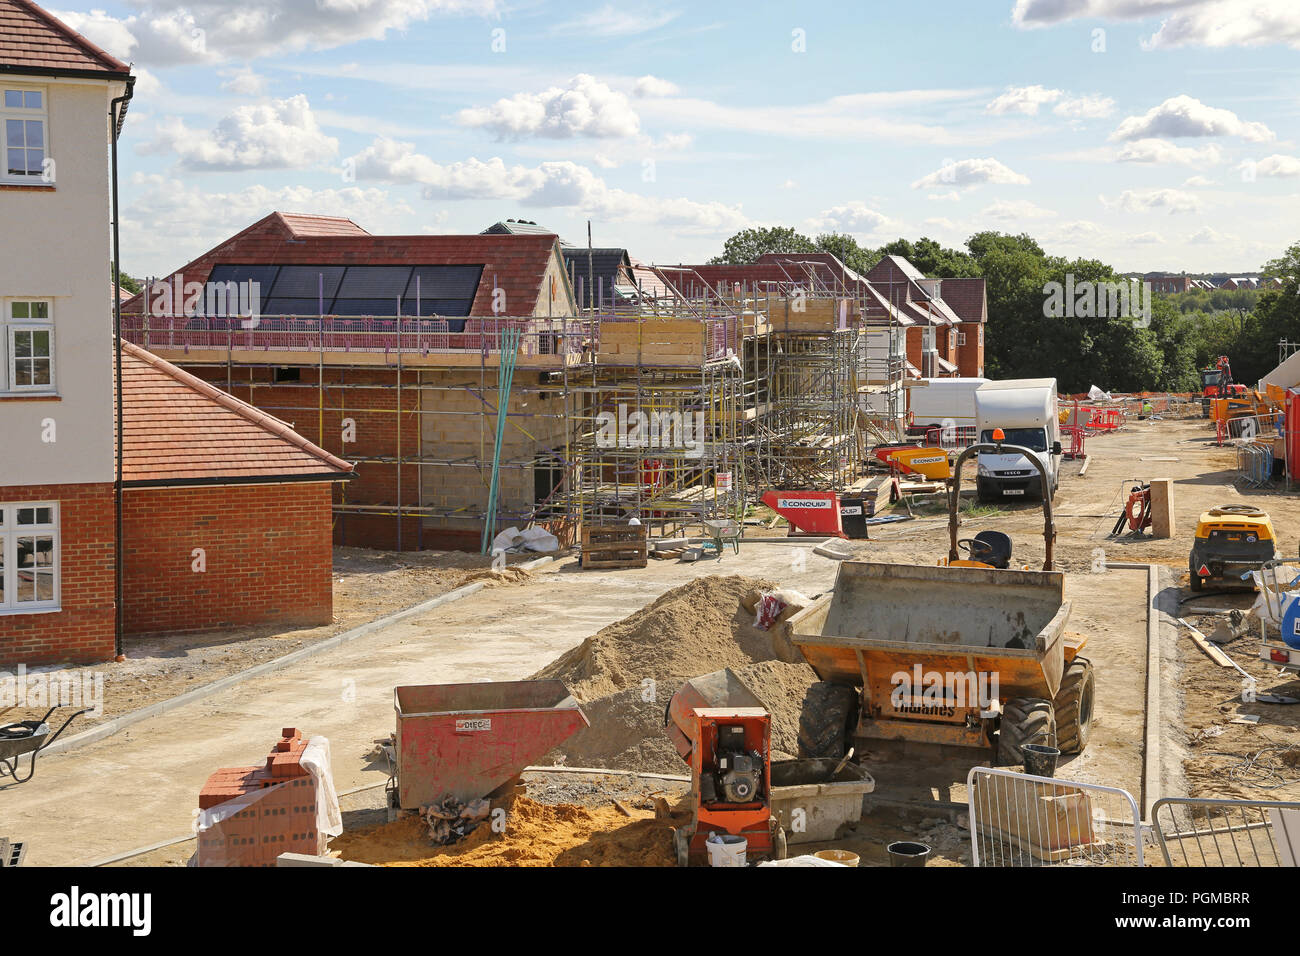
[614, 546]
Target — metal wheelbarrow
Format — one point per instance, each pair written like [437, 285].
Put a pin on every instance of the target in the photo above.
[28, 737]
[722, 531]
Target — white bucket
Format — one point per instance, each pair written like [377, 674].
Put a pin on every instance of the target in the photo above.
[726, 850]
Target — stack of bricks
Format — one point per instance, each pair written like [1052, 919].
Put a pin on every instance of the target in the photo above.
[280, 817]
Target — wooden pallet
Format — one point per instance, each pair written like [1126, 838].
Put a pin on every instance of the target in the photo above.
[614, 546]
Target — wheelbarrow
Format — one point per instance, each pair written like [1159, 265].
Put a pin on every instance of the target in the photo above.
[28, 737]
[723, 531]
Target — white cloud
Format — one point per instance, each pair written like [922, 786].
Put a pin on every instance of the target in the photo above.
[1010, 210]
[1227, 23]
[1182, 116]
[950, 196]
[281, 134]
[789, 184]
[168, 32]
[1088, 106]
[1155, 200]
[1163, 151]
[613, 21]
[167, 222]
[1198, 182]
[1023, 99]
[243, 82]
[855, 217]
[1207, 235]
[1147, 239]
[1275, 166]
[654, 86]
[967, 173]
[550, 184]
[585, 107]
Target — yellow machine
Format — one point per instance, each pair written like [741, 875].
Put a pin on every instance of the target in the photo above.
[1229, 542]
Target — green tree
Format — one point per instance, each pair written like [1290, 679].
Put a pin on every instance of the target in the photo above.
[748, 244]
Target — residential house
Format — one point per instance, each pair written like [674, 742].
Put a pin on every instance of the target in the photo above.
[932, 339]
[57, 533]
[411, 400]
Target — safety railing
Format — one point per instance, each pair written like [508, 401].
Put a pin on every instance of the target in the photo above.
[1238, 833]
[1018, 819]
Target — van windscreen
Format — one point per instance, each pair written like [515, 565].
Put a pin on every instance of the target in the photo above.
[1034, 439]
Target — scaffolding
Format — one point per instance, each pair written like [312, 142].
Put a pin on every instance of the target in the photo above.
[672, 409]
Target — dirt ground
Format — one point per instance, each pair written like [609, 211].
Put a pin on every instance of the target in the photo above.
[367, 585]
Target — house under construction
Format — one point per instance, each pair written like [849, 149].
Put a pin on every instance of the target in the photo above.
[473, 392]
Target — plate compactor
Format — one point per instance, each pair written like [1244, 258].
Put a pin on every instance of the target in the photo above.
[724, 733]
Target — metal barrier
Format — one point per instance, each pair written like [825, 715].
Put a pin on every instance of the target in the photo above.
[1200, 832]
[1017, 819]
[1255, 462]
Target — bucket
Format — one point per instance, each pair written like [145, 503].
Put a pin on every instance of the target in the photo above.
[726, 850]
[1040, 760]
[907, 853]
[838, 856]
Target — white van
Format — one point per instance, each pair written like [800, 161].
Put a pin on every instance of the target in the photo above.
[939, 401]
[1027, 412]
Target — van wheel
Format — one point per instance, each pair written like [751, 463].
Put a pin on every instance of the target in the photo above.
[1024, 720]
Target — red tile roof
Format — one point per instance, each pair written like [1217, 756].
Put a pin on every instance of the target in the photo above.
[967, 298]
[178, 429]
[33, 39]
[516, 264]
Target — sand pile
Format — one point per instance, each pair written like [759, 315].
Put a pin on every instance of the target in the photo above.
[535, 834]
[691, 630]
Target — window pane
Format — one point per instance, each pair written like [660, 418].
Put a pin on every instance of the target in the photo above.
[17, 164]
[22, 344]
[40, 372]
[14, 132]
[35, 161]
[41, 343]
[39, 310]
[44, 515]
[21, 310]
[35, 133]
[14, 99]
[32, 100]
[26, 516]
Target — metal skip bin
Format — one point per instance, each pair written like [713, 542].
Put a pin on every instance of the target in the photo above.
[465, 740]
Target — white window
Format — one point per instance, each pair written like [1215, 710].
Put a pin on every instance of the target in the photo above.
[28, 346]
[961, 339]
[29, 557]
[23, 135]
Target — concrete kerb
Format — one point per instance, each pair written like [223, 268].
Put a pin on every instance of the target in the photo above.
[1153, 726]
[117, 724]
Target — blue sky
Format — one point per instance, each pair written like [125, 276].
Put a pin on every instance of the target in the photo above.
[1152, 134]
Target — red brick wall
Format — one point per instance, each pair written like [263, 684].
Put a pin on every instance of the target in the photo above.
[267, 550]
[82, 632]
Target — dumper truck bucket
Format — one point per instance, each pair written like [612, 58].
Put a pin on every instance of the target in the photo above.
[881, 620]
[465, 740]
[718, 689]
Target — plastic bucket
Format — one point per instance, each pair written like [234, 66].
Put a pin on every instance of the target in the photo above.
[907, 853]
[1040, 760]
[838, 856]
[726, 850]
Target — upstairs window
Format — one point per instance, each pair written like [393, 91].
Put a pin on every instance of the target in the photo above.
[23, 145]
[28, 346]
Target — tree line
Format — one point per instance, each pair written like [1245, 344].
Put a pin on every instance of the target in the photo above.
[1026, 338]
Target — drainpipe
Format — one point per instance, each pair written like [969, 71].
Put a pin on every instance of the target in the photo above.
[115, 119]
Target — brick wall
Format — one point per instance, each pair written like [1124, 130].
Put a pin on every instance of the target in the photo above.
[82, 631]
[266, 551]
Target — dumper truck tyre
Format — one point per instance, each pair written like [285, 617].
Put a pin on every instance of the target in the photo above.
[825, 719]
[1024, 720]
[1073, 706]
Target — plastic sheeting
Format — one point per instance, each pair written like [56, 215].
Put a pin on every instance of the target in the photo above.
[316, 761]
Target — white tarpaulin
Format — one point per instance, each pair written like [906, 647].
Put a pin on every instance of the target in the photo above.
[316, 761]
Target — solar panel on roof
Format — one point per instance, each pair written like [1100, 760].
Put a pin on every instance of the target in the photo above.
[374, 282]
[261, 274]
[430, 307]
[376, 307]
[444, 282]
[306, 282]
[287, 306]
